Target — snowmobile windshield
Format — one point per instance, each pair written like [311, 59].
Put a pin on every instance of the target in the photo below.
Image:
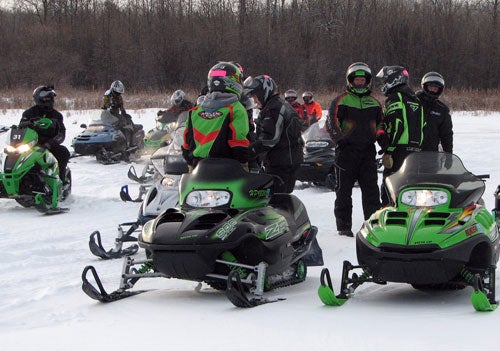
[106, 117]
[437, 169]
[168, 117]
[316, 136]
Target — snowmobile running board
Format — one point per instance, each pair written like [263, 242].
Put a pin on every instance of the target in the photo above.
[95, 243]
[483, 300]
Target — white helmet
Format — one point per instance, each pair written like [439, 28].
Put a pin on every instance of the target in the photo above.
[177, 97]
[118, 87]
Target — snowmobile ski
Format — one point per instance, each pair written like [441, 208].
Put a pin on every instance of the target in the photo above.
[129, 278]
[479, 298]
[125, 195]
[96, 247]
[325, 291]
[101, 294]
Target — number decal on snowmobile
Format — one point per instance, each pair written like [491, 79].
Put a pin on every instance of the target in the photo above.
[226, 229]
[275, 229]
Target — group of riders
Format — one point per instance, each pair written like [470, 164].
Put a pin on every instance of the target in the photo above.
[221, 124]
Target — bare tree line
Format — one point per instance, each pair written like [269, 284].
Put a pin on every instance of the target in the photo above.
[155, 45]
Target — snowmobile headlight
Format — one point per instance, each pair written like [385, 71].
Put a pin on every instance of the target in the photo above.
[9, 149]
[424, 198]
[208, 198]
[316, 144]
[168, 182]
[96, 128]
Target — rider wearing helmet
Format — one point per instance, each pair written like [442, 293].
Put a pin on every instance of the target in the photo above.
[355, 122]
[313, 109]
[54, 136]
[178, 104]
[278, 132]
[404, 120]
[113, 101]
[219, 126]
[438, 125]
[291, 98]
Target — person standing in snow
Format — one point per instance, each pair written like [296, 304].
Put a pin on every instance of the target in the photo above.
[314, 110]
[403, 118]
[278, 132]
[438, 125]
[218, 127]
[355, 122]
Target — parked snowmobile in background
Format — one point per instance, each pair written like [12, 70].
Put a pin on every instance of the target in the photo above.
[103, 139]
[319, 158]
[162, 194]
[30, 173]
[161, 134]
[229, 232]
[437, 235]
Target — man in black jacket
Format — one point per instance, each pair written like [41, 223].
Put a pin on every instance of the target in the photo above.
[404, 121]
[438, 125]
[278, 132]
[355, 122]
[50, 138]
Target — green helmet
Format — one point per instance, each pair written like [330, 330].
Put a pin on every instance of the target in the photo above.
[225, 77]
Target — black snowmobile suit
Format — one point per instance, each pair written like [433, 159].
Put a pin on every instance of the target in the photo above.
[404, 123]
[354, 122]
[438, 125]
[278, 132]
[53, 137]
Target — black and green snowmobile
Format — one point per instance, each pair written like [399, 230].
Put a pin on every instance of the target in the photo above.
[30, 173]
[436, 235]
[230, 232]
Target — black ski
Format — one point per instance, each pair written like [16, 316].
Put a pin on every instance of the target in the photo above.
[96, 247]
[101, 294]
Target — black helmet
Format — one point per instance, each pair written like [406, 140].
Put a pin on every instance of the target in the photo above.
[358, 69]
[43, 96]
[225, 77]
[263, 87]
[435, 79]
[392, 76]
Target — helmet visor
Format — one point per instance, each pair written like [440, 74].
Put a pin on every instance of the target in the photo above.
[47, 93]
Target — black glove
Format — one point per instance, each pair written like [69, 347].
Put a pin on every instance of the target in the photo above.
[47, 145]
[383, 142]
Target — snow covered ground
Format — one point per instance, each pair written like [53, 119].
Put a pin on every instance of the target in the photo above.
[42, 306]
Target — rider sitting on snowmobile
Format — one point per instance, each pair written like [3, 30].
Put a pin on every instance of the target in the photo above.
[221, 121]
[179, 104]
[52, 137]
[113, 101]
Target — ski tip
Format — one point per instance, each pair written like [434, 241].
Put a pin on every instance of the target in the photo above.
[328, 297]
[481, 303]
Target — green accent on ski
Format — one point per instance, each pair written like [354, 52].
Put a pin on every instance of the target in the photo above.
[481, 303]
[327, 296]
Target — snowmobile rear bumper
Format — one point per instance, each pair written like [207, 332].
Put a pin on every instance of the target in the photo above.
[423, 264]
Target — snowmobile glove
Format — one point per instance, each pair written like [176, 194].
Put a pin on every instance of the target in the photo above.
[387, 161]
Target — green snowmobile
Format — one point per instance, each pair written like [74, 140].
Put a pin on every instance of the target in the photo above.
[30, 173]
[436, 235]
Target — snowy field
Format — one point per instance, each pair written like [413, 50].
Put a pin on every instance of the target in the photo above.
[42, 306]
